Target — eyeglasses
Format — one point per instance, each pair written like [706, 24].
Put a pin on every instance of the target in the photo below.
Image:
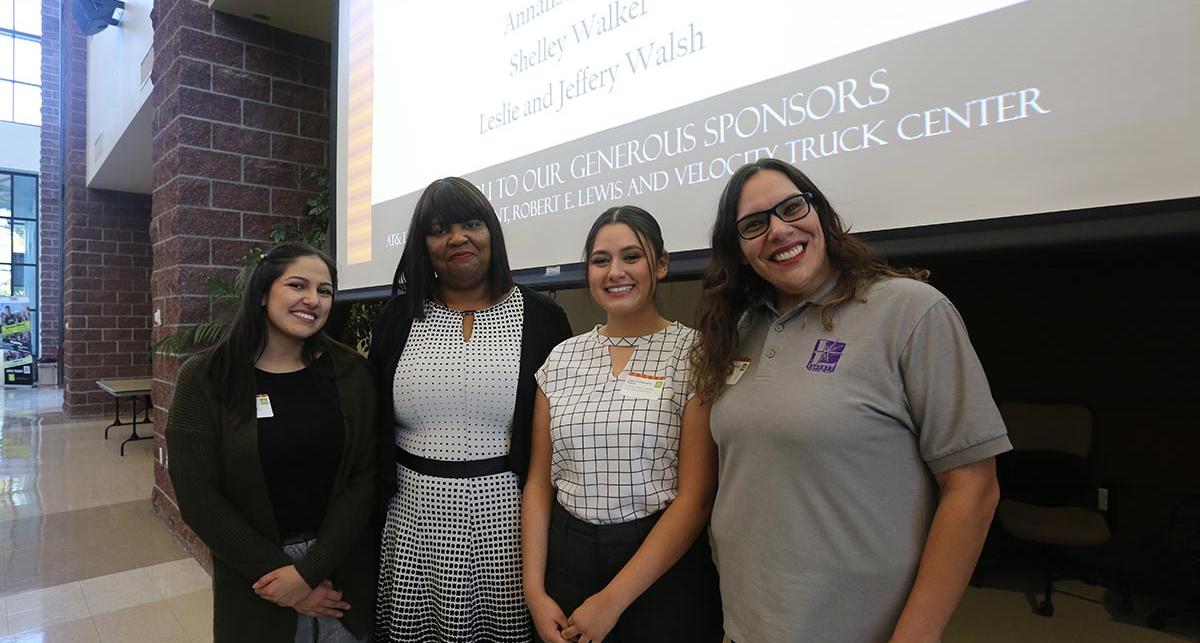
[791, 209]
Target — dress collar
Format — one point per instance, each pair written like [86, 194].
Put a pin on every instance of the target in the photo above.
[642, 340]
[439, 305]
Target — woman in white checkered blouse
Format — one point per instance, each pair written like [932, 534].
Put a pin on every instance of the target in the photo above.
[622, 471]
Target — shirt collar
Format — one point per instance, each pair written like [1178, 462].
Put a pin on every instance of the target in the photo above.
[765, 302]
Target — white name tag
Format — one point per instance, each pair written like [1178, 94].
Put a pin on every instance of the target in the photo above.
[643, 387]
[739, 368]
[262, 406]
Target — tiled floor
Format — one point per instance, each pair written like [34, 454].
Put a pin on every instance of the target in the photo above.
[84, 559]
[82, 555]
[1083, 613]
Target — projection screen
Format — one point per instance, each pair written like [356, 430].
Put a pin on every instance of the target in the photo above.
[907, 114]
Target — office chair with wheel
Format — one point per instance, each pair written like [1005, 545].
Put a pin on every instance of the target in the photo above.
[1047, 494]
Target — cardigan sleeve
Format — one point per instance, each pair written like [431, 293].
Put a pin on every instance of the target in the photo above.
[556, 328]
[562, 328]
[546, 326]
[350, 512]
[194, 464]
[387, 341]
[378, 355]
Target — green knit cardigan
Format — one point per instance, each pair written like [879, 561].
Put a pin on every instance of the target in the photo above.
[223, 497]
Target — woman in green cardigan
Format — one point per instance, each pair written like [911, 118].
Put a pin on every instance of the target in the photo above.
[271, 451]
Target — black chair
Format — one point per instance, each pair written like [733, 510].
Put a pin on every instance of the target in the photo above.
[1048, 496]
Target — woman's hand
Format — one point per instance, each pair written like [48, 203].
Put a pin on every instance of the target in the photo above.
[323, 601]
[594, 619]
[284, 586]
[548, 618]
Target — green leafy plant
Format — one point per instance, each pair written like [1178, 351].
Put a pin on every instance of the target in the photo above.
[190, 339]
[360, 323]
[312, 228]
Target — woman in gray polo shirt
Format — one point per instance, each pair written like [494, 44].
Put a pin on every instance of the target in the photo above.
[854, 424]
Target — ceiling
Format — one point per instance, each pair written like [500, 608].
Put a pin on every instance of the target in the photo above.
[309, 17]
[128, 167]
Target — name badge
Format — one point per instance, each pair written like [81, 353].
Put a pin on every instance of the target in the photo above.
[262, 406]
[739, 368]
[643, 387]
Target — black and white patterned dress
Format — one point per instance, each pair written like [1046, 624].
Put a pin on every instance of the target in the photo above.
[451, 556]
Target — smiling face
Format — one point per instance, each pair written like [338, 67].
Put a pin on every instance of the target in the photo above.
[298, 302]
[461, 253]
[621, 273]
[791, 256]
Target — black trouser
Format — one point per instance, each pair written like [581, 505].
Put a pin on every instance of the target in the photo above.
[684, 604]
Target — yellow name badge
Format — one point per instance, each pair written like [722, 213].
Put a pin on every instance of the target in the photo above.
[262, 406]
[643, 387]
[739, 368]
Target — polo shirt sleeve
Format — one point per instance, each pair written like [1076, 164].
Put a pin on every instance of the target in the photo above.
[953, 413]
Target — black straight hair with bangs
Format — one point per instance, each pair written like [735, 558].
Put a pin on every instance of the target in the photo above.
[447, 201]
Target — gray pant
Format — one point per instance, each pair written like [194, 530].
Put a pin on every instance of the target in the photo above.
[325, 629]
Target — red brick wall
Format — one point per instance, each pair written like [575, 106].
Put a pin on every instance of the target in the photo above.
[105, 254]
[50, 187]
[106, 294]
[240, 111]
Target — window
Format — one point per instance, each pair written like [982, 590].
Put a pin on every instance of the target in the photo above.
[21, 61]
[19, 239]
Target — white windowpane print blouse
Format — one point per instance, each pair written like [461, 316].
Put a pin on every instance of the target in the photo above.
[616, 457]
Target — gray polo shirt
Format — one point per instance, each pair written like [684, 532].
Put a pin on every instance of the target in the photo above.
[828, 445]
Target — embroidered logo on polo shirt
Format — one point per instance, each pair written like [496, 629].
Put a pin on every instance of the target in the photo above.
[825, 356]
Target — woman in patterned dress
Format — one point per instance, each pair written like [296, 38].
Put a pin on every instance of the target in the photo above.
[623, 470]
[454, 355]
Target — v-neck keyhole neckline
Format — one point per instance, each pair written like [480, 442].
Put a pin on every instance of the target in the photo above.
[613, 352]
[632, 343]
[468, 325]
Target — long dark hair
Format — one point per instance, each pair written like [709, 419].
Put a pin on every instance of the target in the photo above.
[447, 201]
[231, 360]
[644, 227]
[730, 285]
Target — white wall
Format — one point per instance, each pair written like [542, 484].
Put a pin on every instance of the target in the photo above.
[20, 147]
[119, 152]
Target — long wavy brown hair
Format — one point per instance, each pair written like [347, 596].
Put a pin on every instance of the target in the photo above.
[730, 286]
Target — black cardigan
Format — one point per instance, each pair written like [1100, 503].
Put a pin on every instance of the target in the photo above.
[222, 495]
[545, 326]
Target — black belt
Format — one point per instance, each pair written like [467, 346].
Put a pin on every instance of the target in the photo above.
[452, 468]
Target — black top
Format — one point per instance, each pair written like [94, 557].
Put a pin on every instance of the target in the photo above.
[299, 447]
[545, 326]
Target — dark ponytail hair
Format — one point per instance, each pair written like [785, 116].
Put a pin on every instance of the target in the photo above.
[644, 227]
[231, 360]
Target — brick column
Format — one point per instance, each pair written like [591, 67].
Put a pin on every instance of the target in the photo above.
[105, 254]
[240, 110]
[50, 186]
